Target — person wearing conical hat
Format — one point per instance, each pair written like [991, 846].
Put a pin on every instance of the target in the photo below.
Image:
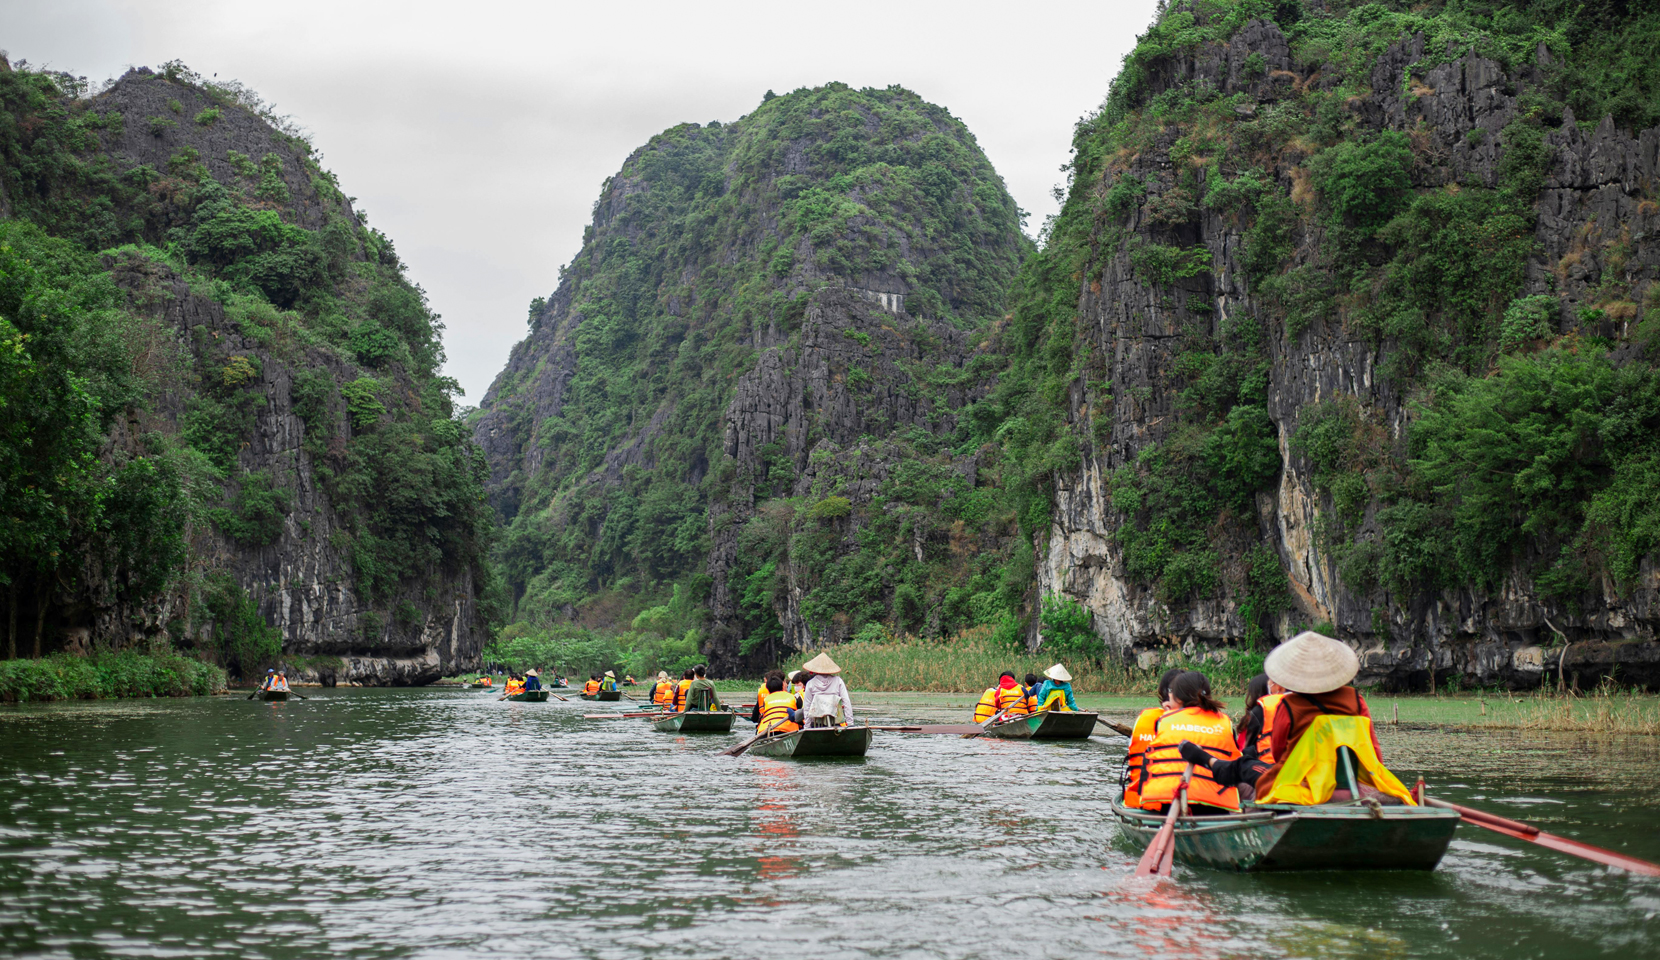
[533, 680]
[1056, 691]
[824, 687]
[610, 682]
[1316, 671]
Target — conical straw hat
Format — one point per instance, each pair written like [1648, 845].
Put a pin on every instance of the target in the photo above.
[610, 674]
[822, 664]
[532, 673]
[1058, 674]
[1312, 663]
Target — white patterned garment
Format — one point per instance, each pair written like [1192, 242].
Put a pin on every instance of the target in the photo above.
[828, 684]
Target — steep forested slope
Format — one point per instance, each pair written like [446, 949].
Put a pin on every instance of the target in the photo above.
[1350, 316]
[223, 423]
[742, 402]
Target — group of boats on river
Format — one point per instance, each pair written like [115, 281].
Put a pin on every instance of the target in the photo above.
[1295, 782]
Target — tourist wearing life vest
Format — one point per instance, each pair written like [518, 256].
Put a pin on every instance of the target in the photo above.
[1142, 736]
[681, 689]
[1056, 692]
[662, 691]
[796, 682]
[279, 683]
[514, 686]
[270, 676]
[1198, 719]
[780, 709]
[1316, 671]
[1256, 755]
[701, 694]
[592, 686]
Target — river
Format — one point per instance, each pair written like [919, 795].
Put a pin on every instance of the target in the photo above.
[443, 823]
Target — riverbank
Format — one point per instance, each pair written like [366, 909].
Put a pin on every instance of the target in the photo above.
[64, 676]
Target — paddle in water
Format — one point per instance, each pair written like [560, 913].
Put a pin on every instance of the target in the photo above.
[1117, 728]
[1160, 858]
[1532, 834]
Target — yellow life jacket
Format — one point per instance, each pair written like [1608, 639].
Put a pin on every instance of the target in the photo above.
[1055, 701]
[987, 707]
[775, 713]
[1141, 737]
[1014, 701]
[1309, 774]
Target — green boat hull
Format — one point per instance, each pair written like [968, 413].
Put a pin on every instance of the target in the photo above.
[1046, 725]
[823, 742]
[603, 695]
[531, 696]
[1286, 837]
[696, 721]
[277, 695]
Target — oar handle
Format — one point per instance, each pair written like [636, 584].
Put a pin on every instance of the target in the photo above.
[1483, 818]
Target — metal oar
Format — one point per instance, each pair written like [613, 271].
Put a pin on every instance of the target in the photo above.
[1523, 831]
[1160, 857]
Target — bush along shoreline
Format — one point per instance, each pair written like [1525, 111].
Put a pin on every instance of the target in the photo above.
[128, 674]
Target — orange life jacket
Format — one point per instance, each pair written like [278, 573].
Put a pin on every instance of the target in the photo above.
[680, 694]
[775, 713]
[1162, 765]
[1265, 739]
[1015, 701]
[515, 686]
[592, 686]
[987, 707]
[663, 693]
[1141, 737]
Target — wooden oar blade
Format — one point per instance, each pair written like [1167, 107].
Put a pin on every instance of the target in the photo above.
[1526, 831]
[1154, 862]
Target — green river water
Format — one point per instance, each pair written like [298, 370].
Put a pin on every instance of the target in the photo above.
[443, 823]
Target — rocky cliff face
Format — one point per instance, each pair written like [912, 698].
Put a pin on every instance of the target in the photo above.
[318, 500]
[1223, 152]
[765, 318]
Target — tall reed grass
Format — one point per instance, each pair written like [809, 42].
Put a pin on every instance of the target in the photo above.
[973, 660]
[1607, 709]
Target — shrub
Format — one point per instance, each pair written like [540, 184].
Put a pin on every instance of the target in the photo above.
[1364, 182]
[1069, 629]
[363, 402]
[1527, 318]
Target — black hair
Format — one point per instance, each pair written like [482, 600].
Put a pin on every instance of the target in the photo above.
[1033, 679]
[699, 670]
[775, 682]
[1192, 689]
[1165, 681]
[687, 675]
[1254, 691]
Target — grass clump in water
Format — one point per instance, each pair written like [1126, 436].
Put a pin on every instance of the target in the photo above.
[130, 673]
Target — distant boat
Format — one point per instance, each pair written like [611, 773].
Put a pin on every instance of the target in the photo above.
[816, 742]
[273, 694]
[603, 695]
[1046, 725]
[531, 696]
[1283, 836]
[696, 721]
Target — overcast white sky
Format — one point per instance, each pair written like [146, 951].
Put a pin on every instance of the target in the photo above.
[476, 134]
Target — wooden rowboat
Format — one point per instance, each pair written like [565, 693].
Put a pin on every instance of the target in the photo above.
[273, 694]
[531, 696]
[1046, 725]
[603, 695]
[695, 721]
[1333, 836]
[816, 742]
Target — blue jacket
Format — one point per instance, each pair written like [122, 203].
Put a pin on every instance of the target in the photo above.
[1049, 686]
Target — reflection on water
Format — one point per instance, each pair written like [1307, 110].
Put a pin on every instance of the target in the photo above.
[446, 823]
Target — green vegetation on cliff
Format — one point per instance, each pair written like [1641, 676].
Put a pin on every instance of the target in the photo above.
[125, 420]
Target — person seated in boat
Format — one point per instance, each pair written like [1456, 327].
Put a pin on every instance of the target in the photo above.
[681, 689]
[1262, 698]
[608, 683]
[533, 680]
[1142, 735]
[780, 709]
[701, 694]
[515, 686]
[798, 682]
[270, 675]
[825, 695]
[1321, 732]
[1198, 718]
[279, 683]
[662, 690]
[1006, 699]
[629, 681]
[592, 686]
[1056, 692]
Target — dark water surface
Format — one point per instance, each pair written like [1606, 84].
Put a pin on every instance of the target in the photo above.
[436, 823]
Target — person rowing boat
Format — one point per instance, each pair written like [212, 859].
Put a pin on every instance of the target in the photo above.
[701, 694]
[1056, 692]
[825, 696]
[532, 681]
